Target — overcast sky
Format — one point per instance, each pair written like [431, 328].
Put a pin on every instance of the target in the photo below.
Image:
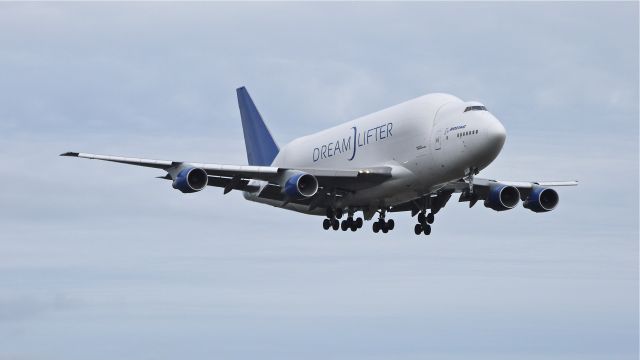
[103, 261]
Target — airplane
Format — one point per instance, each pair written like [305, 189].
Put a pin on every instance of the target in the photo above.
[411, 157]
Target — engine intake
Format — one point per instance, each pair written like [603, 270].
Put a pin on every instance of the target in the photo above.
[541, 199]
[301, 185]
[190, 180]
[502, 197]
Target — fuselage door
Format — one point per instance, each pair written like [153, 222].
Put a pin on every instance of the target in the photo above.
[438, 140]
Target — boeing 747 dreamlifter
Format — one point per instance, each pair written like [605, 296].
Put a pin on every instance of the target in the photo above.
[410, 157]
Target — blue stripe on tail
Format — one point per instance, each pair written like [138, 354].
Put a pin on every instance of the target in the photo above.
[261, 148]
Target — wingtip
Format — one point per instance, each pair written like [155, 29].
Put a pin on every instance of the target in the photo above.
[70, 153]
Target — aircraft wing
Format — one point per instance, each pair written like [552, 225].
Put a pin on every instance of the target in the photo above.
[523, 186]
[481, 188]
[237, 177]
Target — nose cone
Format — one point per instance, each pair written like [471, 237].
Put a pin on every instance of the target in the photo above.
[492, 144]
[496, 134]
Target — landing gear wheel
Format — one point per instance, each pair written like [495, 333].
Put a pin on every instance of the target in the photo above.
[338, 213]
[391, 224]
[335, 224]
[427, 229]
[383, 226]
[359, 223]
[344, 225]
[430, 218]
[417, 229]
[376, 227]
[326, 224]
[421, 218]
[354, 227]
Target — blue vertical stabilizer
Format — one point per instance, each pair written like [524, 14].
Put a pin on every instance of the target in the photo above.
[261, 148]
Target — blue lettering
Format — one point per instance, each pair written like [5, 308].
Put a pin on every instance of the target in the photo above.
[360, 139]
[355, 131]
[346, 144]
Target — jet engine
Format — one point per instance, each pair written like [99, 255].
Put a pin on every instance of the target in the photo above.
[191, 180]
[300, 185]
[541, 199]
[502, 197]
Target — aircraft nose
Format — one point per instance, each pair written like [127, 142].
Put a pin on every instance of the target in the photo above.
[496, 134]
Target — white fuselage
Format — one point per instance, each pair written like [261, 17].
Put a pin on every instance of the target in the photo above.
[427, 141]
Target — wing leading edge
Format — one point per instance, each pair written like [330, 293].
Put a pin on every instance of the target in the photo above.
[237, 177]
[524, 186]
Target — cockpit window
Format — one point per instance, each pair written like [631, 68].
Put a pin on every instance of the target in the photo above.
[475, 108]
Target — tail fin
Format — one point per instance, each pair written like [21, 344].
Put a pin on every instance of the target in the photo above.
[261, 148]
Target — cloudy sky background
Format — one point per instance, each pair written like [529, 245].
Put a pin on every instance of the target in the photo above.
[102, 261]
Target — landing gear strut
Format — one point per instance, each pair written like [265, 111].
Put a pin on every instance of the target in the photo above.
[334, 213]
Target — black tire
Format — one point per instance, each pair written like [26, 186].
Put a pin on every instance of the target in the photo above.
[359, 223]
[430, 218]
[391, 224]
[345, 225]
[376, 227]
[349, 221]
[417, 229]
[354, 227]
[383, 226]
[427, 230]
[335, 224]
[338, 213]
[421, 218]
[326, 224]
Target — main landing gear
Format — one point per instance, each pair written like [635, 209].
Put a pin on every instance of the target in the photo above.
[331, 223]
[382, 225]
[352, 224]
[424, 223]
[348, 224]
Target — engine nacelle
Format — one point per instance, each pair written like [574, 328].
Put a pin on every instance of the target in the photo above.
[502, 197]
[541, 199]
[301, 185]
[191, 180]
